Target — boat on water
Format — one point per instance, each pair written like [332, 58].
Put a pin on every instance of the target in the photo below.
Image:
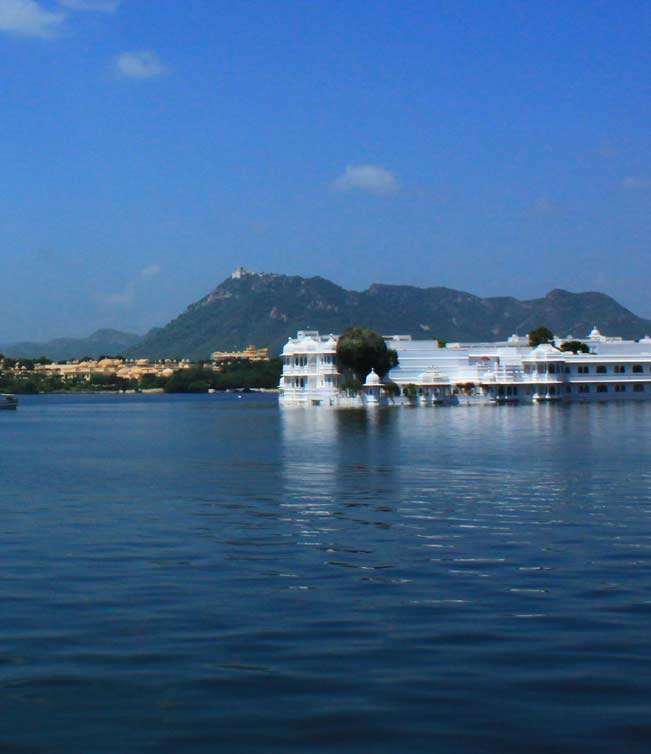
[8, 401]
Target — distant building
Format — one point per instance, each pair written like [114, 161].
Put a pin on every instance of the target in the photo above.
[128, 369]
[251, 353]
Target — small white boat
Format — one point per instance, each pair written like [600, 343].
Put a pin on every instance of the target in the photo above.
[8, 401]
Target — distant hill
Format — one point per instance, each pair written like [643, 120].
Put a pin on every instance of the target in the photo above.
[265, 309]
[102, 342]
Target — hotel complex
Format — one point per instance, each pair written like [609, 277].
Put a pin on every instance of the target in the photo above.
[503, 372]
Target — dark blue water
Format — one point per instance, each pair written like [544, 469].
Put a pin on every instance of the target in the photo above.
[202, 574]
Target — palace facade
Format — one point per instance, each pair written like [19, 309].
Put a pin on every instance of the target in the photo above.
[502, 372]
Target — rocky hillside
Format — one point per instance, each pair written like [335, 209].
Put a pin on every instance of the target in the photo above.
[265, 309]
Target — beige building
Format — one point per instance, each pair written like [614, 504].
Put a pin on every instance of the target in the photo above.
[108, 367]
[251, 353]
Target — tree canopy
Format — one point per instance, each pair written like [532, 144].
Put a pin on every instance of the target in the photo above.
[575, 346]
[541, 335]
[361, 349]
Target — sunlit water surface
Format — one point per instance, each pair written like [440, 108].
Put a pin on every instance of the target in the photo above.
[210, 573]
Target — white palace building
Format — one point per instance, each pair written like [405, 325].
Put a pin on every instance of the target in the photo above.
[504, 372]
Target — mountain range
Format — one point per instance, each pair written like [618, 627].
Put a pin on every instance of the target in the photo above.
[265, 309]
[101, 342]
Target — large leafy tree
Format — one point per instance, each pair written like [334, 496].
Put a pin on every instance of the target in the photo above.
[360, 350]
[541, 335]
[575, 346]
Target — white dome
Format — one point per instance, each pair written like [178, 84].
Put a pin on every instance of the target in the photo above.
[289, 348]
[429, 378]
[373, 379]
[545, 351]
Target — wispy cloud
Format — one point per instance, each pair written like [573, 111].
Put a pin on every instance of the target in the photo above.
[127, 296]
[635, 183]
[97, 6]
[28, 18]
[374, 179]
[152, 271]
[124, 298]
[141, 65]
[32, 18]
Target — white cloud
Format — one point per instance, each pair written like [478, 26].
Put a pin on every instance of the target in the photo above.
[127, 296]
[123, 298]
[150, 272]
[142, 64]
[633, 183]
[28, 18]
[373, 179]
[98, 6]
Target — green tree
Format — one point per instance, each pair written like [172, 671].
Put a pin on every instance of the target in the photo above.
[194, 380]
[410, 391]
[541, 335]
[575, 346]
[360, 350]
[151, 381]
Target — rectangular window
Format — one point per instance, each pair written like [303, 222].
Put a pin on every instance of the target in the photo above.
[584, 370]
[638, 388]
[584, 388]
[602, 388]
[637, 369]
[601, 369]
[620, 369]
[620, 388]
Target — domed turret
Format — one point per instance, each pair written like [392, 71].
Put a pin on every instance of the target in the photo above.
[373, 379]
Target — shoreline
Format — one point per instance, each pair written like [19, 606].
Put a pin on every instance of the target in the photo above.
[153, 391]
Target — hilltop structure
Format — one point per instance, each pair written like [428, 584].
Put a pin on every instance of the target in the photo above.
[499, 372]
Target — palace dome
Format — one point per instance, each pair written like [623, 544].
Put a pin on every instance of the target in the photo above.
[373, 379]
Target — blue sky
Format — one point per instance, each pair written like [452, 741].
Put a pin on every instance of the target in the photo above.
[148, 147]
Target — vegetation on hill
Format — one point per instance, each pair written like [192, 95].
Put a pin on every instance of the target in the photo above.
[267, 309]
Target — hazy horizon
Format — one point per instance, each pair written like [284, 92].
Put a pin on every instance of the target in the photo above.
[148, 149]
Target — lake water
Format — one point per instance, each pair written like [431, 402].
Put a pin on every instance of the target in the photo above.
[209, 573]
